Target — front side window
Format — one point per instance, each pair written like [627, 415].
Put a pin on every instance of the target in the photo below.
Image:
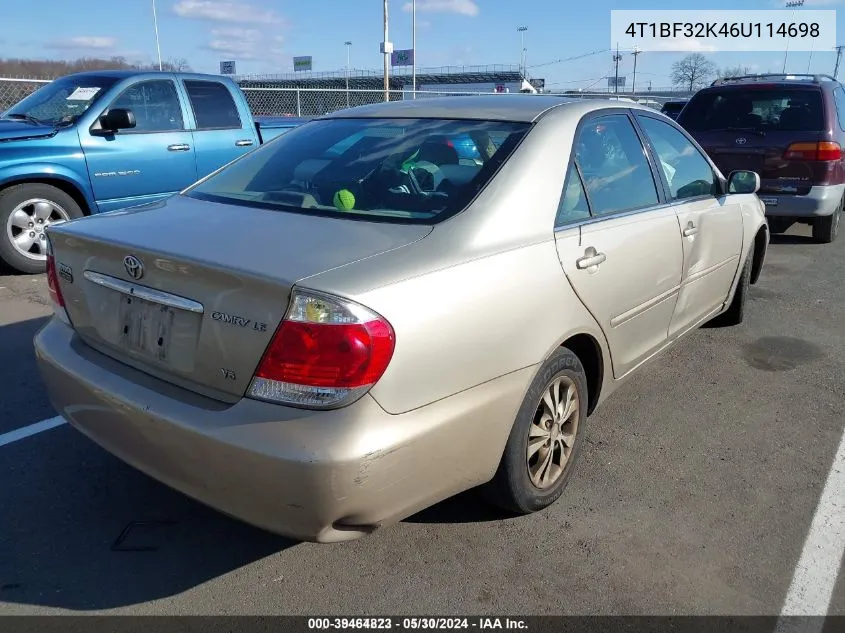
[612, 160]
[402, 170]
[686, 170]
[214, 107]
[155, 105]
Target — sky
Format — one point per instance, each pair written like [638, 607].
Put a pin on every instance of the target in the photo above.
[262, 36]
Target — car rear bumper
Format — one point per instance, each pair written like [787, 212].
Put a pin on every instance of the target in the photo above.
[322, 476]
[821, 201]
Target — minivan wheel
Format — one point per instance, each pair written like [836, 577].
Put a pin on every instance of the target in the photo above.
[825, 229]
[26, 212]
[546, 438]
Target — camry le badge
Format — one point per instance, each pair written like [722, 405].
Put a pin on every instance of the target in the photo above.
[741, 140]
[134, 267]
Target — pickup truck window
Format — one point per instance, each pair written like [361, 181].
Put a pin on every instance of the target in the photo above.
[392, 170]
[155, 105]
[62, 101]
[213, 105]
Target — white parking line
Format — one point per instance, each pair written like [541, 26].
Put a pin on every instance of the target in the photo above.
[32, 429]
[818, 568]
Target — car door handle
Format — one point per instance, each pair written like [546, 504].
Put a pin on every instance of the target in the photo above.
[590, 258]
[179, 147]
[243, 143]
[691, 230]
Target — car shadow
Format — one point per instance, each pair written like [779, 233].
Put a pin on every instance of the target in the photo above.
[83, 531]
[466, 507]
[790, 238]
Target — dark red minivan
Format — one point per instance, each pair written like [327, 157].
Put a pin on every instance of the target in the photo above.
[790, 129]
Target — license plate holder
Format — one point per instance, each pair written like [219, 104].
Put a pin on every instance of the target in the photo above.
[146, 327]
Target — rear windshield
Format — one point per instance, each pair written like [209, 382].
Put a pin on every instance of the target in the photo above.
[789, 110]
[399, 170]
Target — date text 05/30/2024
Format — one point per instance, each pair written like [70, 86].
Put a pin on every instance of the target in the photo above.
[721, 29]
[416, 623]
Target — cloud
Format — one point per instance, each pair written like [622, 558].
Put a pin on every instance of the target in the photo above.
[86, 42]
[243, 44]
[680, 45]
[237, 12]
[462, 7]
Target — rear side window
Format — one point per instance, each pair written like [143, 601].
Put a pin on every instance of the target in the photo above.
[213, 105]
[775, 109]
[399, 170]
[839, 98]
[573, 203]
[612, 159]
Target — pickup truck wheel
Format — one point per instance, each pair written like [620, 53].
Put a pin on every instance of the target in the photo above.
[26, 211]
[826, 228]
[546, 438]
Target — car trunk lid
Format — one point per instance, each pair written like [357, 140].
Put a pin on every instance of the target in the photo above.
[192, 291]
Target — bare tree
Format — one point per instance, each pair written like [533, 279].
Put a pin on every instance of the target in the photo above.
[692, 72]
[51, 69]
[735, 71]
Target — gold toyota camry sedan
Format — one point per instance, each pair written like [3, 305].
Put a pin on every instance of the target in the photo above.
[393, 304]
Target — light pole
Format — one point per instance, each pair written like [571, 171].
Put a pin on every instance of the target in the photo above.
[155, 25]
[793, 4]
[386, 50]
[414, 48]
[347, 44]
[636, 54]
[521, 30]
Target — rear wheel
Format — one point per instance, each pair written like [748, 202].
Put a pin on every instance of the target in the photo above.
[545, 439]
[825, 229]
[26, 211]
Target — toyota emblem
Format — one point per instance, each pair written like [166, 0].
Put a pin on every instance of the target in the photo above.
[133, 266]
[741, 140]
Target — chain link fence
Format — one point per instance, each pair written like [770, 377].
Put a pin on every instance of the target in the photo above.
[309, 102]
[13, 90]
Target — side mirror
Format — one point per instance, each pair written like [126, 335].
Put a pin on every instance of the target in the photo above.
[117, 119]
[742, 181]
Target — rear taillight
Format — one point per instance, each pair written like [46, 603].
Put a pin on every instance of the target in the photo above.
[327, 353]
[824, 150]
[53, 286]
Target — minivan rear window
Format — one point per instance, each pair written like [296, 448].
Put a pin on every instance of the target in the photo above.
[788, 110]
[394, 170]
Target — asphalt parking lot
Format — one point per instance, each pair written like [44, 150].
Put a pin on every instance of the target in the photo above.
[694, 495]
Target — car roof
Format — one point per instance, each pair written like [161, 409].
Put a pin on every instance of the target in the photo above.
[129, 72]
[517, 108]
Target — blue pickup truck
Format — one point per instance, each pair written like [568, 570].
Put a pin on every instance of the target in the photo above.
[100, 141]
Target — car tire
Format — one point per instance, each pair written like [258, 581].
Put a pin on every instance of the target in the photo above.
[826, 228]
[735, 314]
[513, 487]
[46, 205]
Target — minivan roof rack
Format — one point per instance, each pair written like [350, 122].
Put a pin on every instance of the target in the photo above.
[818, 78]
